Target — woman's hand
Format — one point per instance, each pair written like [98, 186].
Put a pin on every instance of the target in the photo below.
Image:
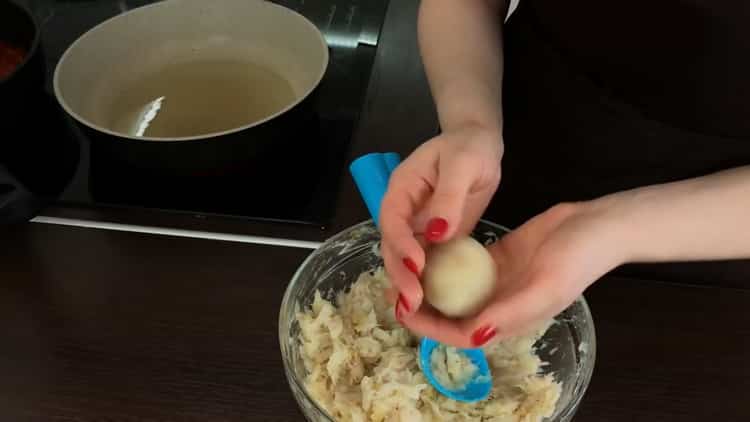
[543, 266]
[440, 190]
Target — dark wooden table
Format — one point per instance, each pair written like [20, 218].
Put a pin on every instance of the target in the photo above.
[115, 326]
[98, 325]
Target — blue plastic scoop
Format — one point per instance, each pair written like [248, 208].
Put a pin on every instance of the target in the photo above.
[371, 173]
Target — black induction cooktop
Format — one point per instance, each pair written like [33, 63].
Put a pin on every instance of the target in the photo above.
[303, 190]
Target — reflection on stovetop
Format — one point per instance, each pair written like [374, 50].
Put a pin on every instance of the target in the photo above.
[303, 191]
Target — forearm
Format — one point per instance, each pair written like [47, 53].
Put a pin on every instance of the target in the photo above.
[706, 218]
[461, 48]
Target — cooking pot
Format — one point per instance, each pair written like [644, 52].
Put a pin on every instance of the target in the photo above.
[18, 29]
[35, 164]
[108, 59]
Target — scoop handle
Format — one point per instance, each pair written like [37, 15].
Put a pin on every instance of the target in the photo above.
[371, 173]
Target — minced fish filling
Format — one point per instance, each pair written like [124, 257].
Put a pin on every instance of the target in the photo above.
[363, 366]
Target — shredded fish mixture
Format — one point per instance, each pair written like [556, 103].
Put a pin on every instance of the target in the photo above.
[363, 366]
[451, 368]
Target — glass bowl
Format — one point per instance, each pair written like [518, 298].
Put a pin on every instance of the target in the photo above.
[568, 347]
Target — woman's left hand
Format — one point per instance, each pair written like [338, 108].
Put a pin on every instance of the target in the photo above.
[542, 267]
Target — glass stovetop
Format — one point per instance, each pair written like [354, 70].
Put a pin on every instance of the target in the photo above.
[305, 191]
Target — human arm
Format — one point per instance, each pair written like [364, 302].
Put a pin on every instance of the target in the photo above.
[461, 49]
[445, 185]
[549, 261]
[700, 219]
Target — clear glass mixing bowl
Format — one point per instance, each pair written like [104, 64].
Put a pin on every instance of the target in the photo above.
[569, 347]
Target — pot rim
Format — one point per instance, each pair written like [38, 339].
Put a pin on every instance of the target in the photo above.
[123, 136]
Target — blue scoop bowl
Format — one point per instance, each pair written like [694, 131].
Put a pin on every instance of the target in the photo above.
[476, 389]
[371, 173]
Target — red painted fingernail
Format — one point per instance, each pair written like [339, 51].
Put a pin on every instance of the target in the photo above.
[411, 266]
[436, 228]
[482, 336]
[402, 300]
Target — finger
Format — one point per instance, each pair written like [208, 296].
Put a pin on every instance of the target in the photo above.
[427, 322]
[475, 208]
[402, 253]
[445, 209]
[391, 295]
[408, 289]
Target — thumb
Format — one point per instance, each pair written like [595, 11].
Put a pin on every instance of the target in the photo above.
[444, 212]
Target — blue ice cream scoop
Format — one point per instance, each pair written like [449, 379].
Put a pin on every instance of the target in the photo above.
[371, 173]
[478, 386]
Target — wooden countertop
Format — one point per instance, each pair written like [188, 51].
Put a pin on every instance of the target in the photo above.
[104, 325]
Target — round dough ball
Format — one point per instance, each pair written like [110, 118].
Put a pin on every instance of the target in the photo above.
[458, 277]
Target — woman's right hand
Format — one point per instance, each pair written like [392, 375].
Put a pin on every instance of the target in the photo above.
[440, 191]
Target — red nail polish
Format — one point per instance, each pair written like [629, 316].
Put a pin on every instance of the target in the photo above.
[482, 336]
[436, 228]
[411, 266]
[403, 302]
